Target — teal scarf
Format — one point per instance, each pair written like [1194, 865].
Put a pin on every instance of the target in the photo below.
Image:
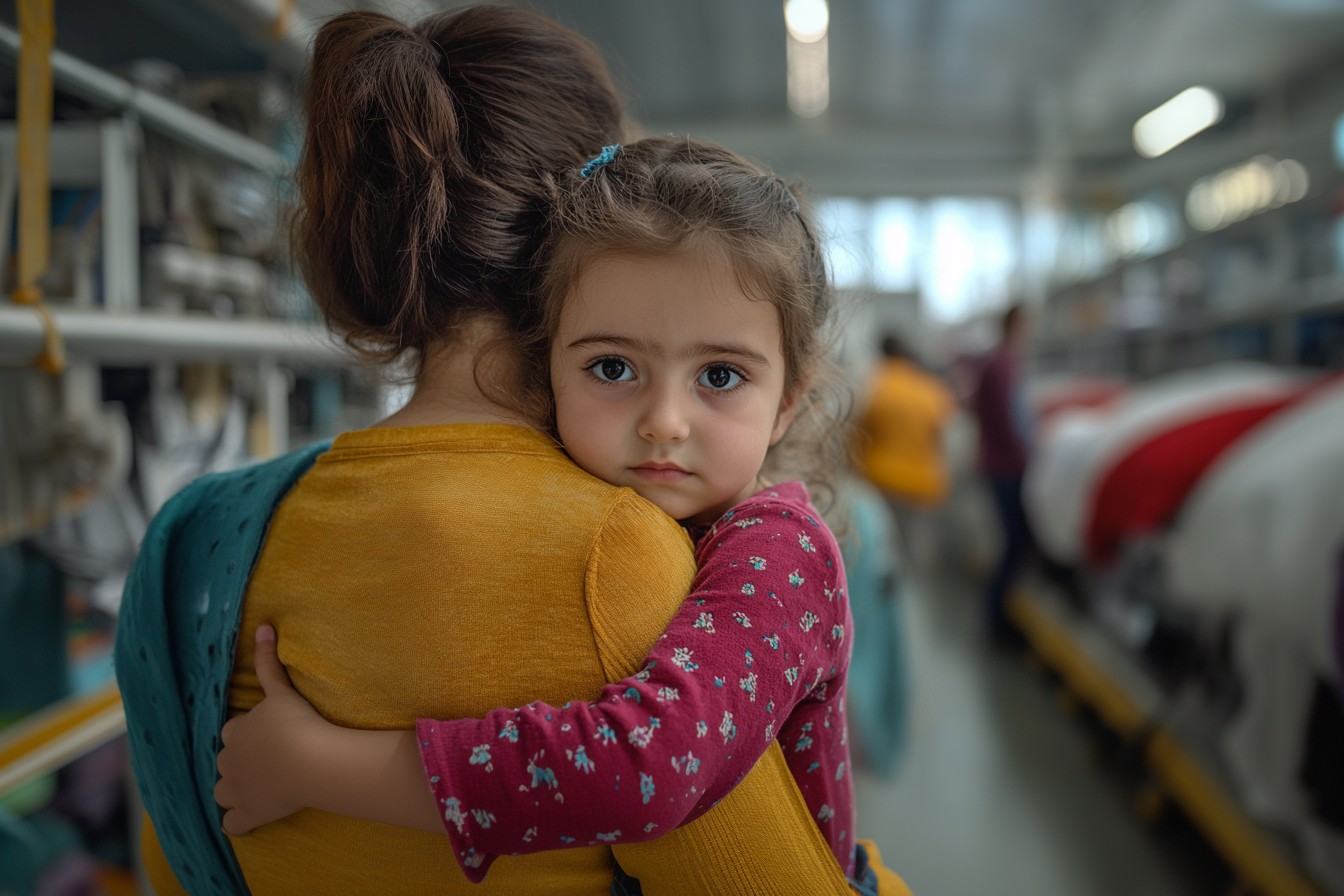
[174, 652]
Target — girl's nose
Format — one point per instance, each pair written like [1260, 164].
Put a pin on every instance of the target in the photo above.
[664, 418]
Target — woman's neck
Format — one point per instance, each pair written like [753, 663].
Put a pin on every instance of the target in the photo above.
[448, 389]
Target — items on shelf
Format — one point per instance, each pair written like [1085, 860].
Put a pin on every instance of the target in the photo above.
[1204, 515]
[63, 450]
[169, 259]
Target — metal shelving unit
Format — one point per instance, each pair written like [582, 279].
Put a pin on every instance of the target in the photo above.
[104, 155]
[1098, 675]
[1161, 345]
[164, 337]
[49, 739]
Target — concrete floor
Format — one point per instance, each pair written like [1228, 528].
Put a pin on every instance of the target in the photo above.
[999, 791]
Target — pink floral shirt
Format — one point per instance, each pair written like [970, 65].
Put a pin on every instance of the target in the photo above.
[759, 651]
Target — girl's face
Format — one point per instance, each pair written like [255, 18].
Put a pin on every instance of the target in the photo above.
[669, 379]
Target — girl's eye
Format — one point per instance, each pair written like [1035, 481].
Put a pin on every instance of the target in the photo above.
[611, 370]
[720, 377]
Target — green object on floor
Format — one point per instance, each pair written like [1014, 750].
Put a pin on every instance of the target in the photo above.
[29, 846]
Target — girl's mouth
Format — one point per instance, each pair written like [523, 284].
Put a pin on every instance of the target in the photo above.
[660, 472]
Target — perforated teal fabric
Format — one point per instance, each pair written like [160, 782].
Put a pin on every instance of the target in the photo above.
[176, 632]
[879, 684]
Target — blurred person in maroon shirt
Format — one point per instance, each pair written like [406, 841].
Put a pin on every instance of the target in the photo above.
[1000, 408]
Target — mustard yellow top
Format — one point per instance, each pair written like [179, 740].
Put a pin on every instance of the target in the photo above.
[901, 448]
[445, 571]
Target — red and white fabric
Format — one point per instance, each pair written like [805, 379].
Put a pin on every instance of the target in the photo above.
[1099, 476]
[1259, 541]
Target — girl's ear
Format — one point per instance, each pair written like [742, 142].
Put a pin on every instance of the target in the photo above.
[788, 409]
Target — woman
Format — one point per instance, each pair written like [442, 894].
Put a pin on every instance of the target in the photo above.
[420, 185]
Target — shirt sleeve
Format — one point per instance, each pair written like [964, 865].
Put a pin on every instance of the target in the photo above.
[762, 629]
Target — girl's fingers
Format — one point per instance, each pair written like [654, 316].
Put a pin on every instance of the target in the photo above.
[231, 824]
[270, 672]
[225, 801]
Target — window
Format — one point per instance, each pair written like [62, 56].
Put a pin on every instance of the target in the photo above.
[845, 225]
[960, 255]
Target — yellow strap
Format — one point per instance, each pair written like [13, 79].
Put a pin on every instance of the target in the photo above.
[37, 37]
[51, 359]
[37, 33]
[280, 25]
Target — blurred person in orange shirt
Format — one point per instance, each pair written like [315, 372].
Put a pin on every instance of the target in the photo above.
[900, 443]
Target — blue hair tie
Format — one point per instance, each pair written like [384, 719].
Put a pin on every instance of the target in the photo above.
[607, 154]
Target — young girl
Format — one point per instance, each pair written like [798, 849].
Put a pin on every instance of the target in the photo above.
[685, 304]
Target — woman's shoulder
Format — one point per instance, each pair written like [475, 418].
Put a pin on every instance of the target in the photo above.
[247, 490]
[616, 515]
[495, 464]
[527, 474]
[630, 525]
[457, 438]
[640, 568]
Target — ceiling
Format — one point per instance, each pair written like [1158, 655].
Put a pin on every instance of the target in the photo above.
[927, 96]
[935, 96]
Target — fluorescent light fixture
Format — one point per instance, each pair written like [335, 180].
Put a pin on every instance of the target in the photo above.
[1177, 120]
[807, 20]
[809, 77]
[1238, 193]
[808, 56]
[1291, 182]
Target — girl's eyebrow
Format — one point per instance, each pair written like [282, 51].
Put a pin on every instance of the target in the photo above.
[740, 352]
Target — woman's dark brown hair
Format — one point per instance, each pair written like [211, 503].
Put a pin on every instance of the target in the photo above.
[421, 179]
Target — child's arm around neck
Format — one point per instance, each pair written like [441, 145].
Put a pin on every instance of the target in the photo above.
[763, 632]
[282, 757]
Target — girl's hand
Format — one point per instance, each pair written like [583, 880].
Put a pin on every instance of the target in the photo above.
[264, 760]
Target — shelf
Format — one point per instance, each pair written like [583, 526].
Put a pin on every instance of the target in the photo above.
[164, 116]
[1093, 672]
[1223, 823]
[147, 337]
[1323, 296]
[1196, 240]
[1076, 654]
[53, 737]
[68, 506]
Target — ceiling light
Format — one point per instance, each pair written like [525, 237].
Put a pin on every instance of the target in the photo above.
[1177, 120]
[1238, 193]
[809, 76]
[808, 56]
[806, 20]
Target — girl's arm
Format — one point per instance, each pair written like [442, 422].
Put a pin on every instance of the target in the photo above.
[763, 626]
[763, 629]
[282, 756]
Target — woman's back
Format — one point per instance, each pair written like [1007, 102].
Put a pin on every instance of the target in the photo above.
[442, 571]
[439, 558]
